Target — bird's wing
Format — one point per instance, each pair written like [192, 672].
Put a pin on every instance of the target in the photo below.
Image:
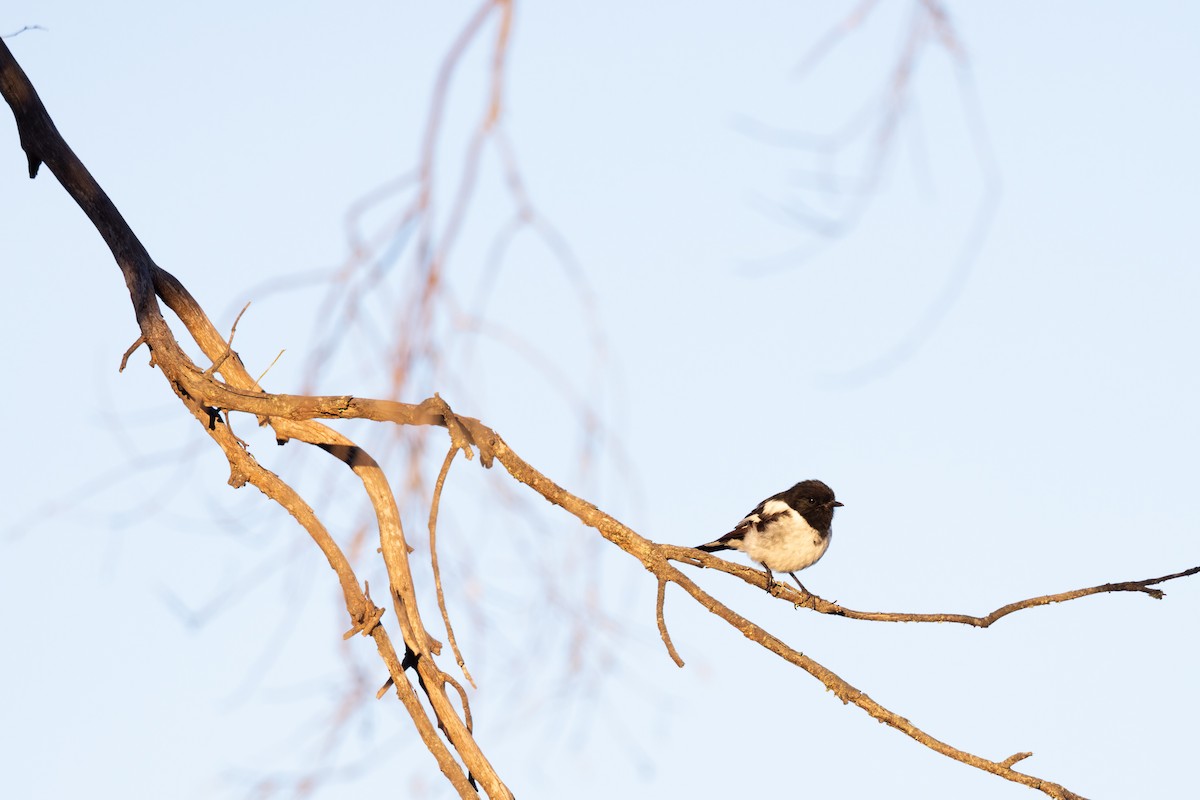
[770, 510]
[763, 514]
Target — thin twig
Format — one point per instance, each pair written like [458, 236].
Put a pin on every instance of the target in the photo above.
[437, 573]
[1014, 758]
[462, 694]
[22, 30]
[216, 365]
[662, 624]
[141, 340]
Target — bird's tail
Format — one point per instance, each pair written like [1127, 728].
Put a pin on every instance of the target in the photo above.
[723, 543]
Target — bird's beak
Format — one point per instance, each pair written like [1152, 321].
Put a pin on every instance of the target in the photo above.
[836, 504]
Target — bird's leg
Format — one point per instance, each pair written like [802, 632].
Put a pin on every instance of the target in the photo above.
[798, 583]
[770, 579]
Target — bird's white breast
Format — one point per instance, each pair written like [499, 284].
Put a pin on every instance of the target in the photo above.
[784, 544]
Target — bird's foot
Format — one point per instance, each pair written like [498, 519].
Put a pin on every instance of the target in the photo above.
[801, 585]
[772, 586]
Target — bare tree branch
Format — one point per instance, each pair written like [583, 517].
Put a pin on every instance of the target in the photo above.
[755, 577]
[43, 144]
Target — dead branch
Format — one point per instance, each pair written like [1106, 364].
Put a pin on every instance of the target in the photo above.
[755, 577]
[43, 144]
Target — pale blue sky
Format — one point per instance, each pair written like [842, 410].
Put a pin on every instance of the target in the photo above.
[1039, 432]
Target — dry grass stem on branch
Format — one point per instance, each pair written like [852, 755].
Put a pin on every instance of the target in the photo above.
[295, 417]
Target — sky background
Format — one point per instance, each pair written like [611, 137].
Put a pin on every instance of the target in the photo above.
[977, 323]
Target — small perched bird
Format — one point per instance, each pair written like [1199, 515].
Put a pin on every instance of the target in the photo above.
[786, 532]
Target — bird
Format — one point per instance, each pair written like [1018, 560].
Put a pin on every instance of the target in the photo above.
[786, 532]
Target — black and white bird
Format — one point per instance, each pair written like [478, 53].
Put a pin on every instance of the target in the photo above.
[786, 532]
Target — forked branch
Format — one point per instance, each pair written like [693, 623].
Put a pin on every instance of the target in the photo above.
[146, 282]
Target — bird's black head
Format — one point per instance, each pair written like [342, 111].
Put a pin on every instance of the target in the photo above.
[814, 501]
